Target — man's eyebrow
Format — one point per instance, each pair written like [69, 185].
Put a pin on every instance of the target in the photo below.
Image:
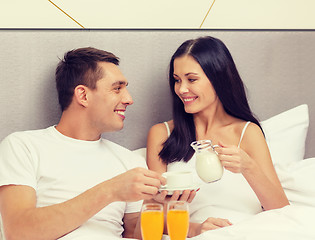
[120, 83]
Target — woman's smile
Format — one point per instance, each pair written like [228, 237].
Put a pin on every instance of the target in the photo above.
[189, 100]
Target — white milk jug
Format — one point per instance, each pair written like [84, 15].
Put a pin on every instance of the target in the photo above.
[208, 165]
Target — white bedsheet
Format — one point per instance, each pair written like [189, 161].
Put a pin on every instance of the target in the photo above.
[288, 223]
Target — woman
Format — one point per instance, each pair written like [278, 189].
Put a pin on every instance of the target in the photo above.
[209, 102]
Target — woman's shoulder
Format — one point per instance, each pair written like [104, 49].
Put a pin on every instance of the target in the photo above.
[240, 126]
[253, 135]
[162, 127]
[170, 124]
[246, 135]
[160, 131]
[253, 128]
[242, 130]
[157, 136]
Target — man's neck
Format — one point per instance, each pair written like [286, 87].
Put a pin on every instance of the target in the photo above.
[76, 127]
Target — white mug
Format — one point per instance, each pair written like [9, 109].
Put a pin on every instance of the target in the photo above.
[178, 179]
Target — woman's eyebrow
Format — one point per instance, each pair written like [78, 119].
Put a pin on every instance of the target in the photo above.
[191, 73]
[186, 74]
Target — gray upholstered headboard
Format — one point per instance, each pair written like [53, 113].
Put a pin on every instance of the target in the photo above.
[278, 68]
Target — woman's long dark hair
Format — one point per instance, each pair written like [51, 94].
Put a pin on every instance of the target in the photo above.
[218, 65]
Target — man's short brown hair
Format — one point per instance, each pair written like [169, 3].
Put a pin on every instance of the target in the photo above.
[80, 67]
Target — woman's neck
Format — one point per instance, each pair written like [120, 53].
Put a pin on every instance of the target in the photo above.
[212, 118]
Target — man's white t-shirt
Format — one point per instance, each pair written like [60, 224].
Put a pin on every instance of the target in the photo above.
[60, 168]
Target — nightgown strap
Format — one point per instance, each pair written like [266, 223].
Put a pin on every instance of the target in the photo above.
[168, 129]
[243, 132]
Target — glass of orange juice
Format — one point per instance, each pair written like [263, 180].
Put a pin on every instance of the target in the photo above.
[177, 220]
[152, 221]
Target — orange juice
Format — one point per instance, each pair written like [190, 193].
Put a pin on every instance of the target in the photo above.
[177, 224]
[152, 225]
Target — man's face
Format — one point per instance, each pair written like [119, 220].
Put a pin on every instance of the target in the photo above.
[108, 102]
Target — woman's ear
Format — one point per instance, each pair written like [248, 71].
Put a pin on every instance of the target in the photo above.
[80, 95]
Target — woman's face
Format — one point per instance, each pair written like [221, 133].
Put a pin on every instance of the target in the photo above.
[192, 85]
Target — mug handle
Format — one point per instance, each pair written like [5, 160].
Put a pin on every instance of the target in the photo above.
[164, 186]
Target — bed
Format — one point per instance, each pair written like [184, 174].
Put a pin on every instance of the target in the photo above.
[276, 66]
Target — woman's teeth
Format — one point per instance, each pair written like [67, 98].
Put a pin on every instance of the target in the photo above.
[188, 99]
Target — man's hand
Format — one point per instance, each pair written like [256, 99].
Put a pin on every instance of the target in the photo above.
[136, 184]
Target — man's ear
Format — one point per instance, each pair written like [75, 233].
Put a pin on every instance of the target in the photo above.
[80, 95]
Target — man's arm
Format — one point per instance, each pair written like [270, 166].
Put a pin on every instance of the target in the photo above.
[22, 220]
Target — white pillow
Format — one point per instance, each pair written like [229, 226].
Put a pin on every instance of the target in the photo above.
[298, 180]
[286, 134]
[141, 151]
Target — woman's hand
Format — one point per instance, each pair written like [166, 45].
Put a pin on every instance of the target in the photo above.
[210, 224]
[186, 196]
[234, 159]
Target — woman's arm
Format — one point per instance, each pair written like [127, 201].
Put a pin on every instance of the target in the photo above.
[209, 224]
[253, 160]
[156, 137]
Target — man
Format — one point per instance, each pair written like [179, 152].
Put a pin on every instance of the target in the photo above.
[66, 181]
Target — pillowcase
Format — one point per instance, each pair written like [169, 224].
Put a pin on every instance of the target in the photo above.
[142, 152]
[298, 180]
[286, 134]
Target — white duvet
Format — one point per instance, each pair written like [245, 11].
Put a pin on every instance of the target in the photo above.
[289, 223]
[293, 222]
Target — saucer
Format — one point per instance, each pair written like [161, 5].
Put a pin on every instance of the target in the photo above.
[170, 191]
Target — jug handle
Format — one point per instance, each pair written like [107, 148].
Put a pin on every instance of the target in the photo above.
[213, 148]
